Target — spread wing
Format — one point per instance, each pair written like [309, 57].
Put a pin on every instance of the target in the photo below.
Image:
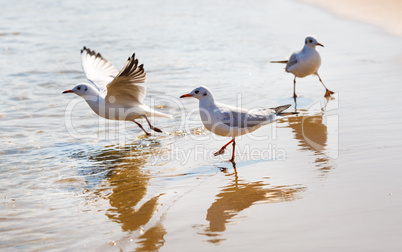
[97, 69]
[125, 88]
[247, 119]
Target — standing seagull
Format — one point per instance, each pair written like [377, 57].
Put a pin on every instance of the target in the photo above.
[229, 121]
[115, 95]
[305, 62]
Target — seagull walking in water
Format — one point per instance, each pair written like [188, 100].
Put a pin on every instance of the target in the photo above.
[112, 94]
[229, 121]
[304, 63]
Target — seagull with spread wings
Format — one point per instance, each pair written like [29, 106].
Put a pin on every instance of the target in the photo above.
[230, 121]
[112, 94]
[304, 63]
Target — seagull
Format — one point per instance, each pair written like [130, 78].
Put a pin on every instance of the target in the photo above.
[112, 94]
[229, 121]
[305, 62]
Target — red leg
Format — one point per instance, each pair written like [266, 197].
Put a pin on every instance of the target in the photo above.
[294, 88]
[139, 125]
[152, 127]
[222, 150]
[328, 92]
[233, 153]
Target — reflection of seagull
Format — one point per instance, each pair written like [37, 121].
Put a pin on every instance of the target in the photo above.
[239, 195]
[305, 62]
[312, 134]
[131, 204]
[115, 95]
[225, 120]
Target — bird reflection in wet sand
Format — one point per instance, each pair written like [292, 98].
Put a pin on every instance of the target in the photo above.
[152, 239]
[240, 195]
[128, 183]
[312, 134]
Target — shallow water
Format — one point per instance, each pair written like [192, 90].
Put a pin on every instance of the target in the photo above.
[72, 181]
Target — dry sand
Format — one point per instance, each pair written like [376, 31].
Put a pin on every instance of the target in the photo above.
[384, 13]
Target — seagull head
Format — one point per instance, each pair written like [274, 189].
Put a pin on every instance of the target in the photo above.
[311, 41]
[201, 93]
[83, 90]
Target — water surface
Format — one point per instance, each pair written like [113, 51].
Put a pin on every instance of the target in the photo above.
[327, 178]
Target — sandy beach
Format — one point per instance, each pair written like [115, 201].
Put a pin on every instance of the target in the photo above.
[385, 13]
[326, 178]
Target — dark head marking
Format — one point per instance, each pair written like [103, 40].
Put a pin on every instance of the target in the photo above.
[205, 94]
[86, 89]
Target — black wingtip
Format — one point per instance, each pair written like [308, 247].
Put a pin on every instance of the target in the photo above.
[86, 49]
[279, 61]
[91, 52]
[282, 108]
[131, 57]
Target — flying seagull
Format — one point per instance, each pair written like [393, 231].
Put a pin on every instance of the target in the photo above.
[112, 94]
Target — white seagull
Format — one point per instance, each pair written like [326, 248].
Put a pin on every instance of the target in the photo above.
[229, 121]
[112, 94]
[305, 62]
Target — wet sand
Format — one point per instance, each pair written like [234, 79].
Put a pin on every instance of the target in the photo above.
[326, 179]
[385, 13]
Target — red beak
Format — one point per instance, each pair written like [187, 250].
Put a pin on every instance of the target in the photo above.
[68, 91]
[186, 95]
[320, 44]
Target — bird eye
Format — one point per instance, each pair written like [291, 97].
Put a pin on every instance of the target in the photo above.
[196, 91]
[310, 41]
[78, 88]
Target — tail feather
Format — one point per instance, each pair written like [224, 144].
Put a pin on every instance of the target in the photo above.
[280, 61]
[280, 109]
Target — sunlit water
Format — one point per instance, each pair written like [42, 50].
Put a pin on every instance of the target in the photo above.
[72, 181]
